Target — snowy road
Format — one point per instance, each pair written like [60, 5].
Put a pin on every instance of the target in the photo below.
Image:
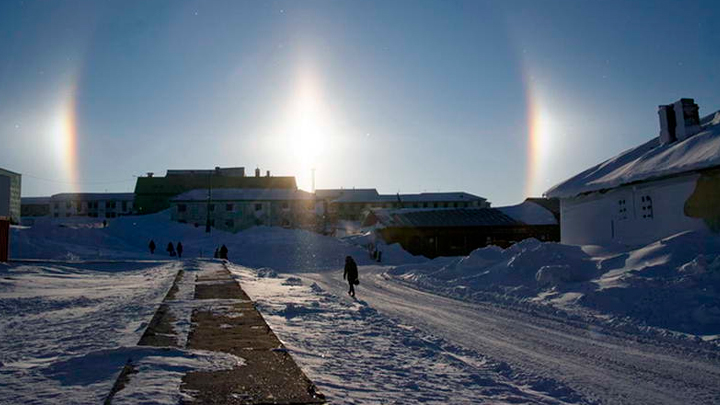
[604, 367]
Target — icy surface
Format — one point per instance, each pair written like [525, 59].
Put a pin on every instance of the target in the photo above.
[649, 160]
[60, 326]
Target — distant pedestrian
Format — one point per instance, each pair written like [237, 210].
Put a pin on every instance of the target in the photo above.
[379, 256]
[351, 274]
[216, 254]
[104, 223]
[151, 246]
[170, 249]
[179, 249]
[223, 252]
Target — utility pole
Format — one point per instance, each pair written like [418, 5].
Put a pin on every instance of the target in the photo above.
[207, 209]
[313, 179]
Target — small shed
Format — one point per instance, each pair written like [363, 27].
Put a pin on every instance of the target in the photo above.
[456, 231]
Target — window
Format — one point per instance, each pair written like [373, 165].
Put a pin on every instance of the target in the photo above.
[211, 207]
[229, 207]
[258, 207]
[124, 205]
[285, 206]
[230, 223]
[57, 206]
[182, 207]
[455, 205]
[622, 210]
[646, 207]
[68, 205]
[425, 205]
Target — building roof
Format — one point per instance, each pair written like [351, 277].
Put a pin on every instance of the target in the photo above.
[35, 200]
[368, 195]
[651, 160]
[333, 193]
[245, 194]
[93, 196]
[531, 212]
[7, 172]
[440, 218]
[456, 196]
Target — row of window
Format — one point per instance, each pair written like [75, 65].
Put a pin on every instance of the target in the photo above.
[360, 206]
[646, 207]
[92, 205]
[91, 214]
[231, 207]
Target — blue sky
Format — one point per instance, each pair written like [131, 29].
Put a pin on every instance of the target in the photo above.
[403, 96]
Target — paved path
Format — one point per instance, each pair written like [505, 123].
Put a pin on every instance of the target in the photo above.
[222, 318]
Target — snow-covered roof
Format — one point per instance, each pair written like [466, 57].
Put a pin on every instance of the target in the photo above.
[359, 195]
[245, 194]
[457, 196]
[371, 195]
[35, 200]
[441, 218]
[93, 196]
[648, 161]
[530, 213]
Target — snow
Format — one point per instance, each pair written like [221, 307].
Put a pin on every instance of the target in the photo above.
[62, 326]
[650, 160]
[529, 213]
[534, 323]
[672, 284]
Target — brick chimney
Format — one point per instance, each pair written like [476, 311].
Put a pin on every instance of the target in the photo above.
[678, 121]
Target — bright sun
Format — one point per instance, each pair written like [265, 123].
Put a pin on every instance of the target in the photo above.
[307, 126]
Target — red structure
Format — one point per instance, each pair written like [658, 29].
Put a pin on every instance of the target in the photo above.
[4, 239]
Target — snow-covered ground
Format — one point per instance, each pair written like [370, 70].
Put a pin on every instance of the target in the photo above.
[535, 323]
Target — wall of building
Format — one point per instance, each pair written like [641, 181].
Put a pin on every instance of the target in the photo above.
[460, 241]
[153, 194]
[92, 208]
[234, 216]
[630, 215]
[10, 188]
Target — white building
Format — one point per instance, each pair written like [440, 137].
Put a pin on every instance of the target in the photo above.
[667, 185]
[240, 208]
[96, 205]
[10, 183]
[351, 204]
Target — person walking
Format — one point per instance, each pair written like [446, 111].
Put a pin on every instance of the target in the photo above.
[170, 249]
[151, 246]
[223, 252]
[351, 274]
[179, 249]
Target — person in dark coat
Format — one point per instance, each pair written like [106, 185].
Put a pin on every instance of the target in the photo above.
[179, 249]
[151, 246]
[170, 249]
[223, 252]
[351, 274]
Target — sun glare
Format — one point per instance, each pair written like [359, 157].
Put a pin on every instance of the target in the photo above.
[307, 127]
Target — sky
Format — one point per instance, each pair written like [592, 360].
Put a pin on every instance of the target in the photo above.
[502, 99]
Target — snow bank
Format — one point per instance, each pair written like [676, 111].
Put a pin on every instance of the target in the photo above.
[673, 283]
[287, 250]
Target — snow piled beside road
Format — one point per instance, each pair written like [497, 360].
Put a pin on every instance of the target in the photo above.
[356, 355]
[673, 283]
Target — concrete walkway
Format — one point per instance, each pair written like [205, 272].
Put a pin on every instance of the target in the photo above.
[224, 319]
